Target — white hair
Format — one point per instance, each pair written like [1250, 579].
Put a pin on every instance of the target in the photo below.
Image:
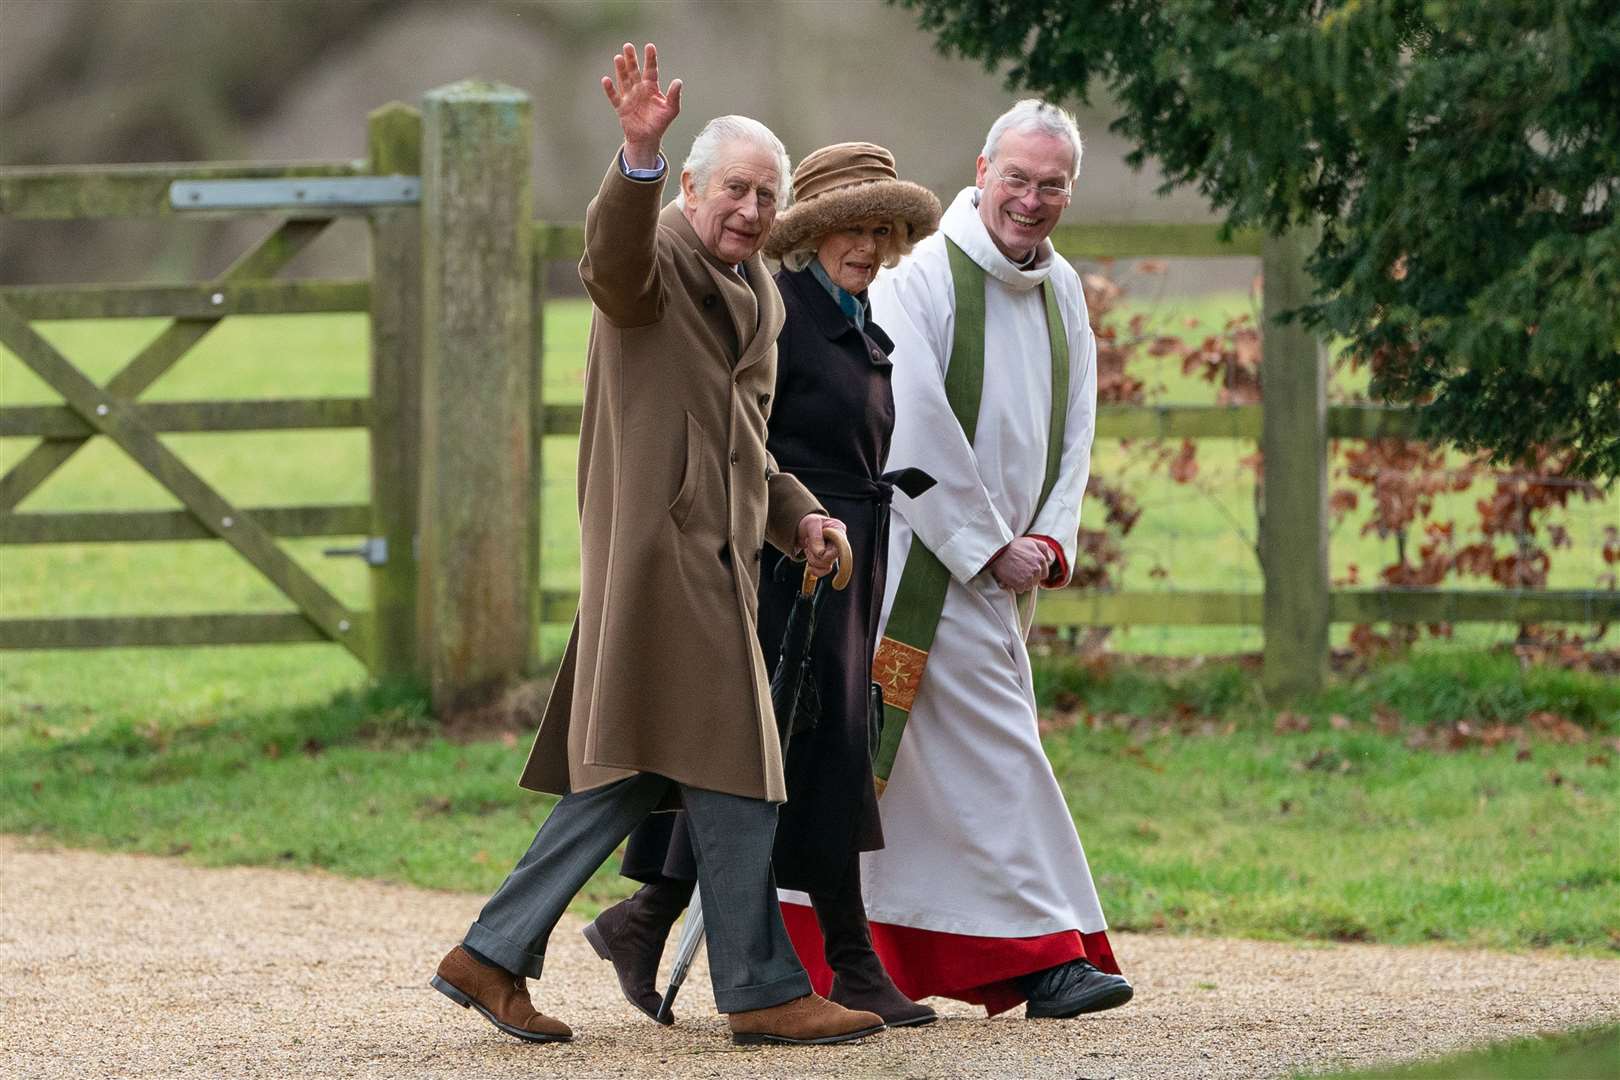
[728, 129]
[1033, 114]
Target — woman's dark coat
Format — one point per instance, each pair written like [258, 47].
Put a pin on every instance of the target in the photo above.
[830, 425]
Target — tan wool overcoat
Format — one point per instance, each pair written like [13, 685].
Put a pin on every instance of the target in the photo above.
[677, 495]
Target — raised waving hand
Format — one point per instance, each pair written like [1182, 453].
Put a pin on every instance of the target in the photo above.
[645, 110]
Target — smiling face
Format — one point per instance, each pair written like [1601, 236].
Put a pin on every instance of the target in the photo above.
[1019, 222]
[853, 255]
[732, 215]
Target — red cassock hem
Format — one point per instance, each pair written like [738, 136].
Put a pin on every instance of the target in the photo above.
[929, 963]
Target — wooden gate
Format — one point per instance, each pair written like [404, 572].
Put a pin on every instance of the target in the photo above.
[448, 298]
[113, 411]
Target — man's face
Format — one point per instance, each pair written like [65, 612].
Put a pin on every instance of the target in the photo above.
[732, 215]
[1019, 222]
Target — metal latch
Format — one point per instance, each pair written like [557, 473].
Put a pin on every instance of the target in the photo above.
[374, 550]
[319, 192]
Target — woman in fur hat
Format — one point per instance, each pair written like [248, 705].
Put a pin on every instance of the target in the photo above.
[830, 423]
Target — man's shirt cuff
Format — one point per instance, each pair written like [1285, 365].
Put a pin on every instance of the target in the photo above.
[1060, 564]
[656, 173]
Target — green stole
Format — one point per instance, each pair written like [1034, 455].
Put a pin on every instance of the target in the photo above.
[902, 655]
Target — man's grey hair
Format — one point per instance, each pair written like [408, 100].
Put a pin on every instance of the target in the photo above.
[1033, 114]
[727, 129]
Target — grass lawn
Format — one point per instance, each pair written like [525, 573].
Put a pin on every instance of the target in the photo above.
[1587, 1054]
[1198, 816]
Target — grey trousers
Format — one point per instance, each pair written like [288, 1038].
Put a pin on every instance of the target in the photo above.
[751, 961]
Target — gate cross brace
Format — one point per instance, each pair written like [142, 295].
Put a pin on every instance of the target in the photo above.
[112, 417]
[162, 353]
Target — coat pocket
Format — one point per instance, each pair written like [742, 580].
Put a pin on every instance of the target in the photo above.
[691, 475]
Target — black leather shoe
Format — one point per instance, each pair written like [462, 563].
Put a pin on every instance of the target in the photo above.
[1071, 989]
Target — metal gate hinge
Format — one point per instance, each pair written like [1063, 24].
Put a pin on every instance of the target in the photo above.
[374, 550]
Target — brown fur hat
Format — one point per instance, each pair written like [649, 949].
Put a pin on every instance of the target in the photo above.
[841, 184]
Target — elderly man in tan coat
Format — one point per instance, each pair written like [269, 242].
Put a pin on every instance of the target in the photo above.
[662, 696]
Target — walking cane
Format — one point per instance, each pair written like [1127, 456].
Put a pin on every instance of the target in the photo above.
[692, 926]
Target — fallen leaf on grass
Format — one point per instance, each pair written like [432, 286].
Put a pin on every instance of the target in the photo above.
[1143, 760]
[1461, 736]
[1388, 720]
[1600, 760]
[1522, 755]
[1339, 722]
[1325, 760]
[1556, 727]
[1288, 721]
[1555, 778]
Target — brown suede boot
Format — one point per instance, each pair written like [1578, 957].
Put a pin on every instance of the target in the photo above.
[805, 1020]
[631, 935]
[502, 997]
[859, 980]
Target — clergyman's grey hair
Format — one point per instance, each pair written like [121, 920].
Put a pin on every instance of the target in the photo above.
[1033, 114]
[725, 129]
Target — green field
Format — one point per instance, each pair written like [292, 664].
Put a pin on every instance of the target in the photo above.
[1198, 536]
[1198, 815]
[1587, 1054]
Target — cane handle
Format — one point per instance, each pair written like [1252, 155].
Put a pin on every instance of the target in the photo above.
[843, 567]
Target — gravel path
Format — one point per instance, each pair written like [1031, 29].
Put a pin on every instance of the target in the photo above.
[118, 965]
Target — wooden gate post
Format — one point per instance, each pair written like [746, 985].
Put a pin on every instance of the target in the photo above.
[478, 494]
[1294, 446]
[395, 143]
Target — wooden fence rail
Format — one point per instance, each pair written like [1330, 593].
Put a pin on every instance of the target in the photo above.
[455, 296]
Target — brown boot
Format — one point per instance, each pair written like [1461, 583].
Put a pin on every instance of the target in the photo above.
[809, 1019]
[859, 980]
[502, 997]
[631, 936]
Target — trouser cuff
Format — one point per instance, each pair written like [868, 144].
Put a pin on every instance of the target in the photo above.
[512, 957]
[762, 995]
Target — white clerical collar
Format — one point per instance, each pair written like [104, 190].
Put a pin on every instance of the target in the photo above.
[965, 228]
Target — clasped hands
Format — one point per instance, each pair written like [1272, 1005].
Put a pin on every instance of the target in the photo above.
[1022, 565]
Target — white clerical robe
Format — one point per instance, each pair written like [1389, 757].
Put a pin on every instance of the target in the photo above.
[978, 838]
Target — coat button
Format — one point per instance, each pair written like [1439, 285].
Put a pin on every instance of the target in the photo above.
[764, 400]
[877, 354]
[768, 474]
[710, 300]
[735, 457]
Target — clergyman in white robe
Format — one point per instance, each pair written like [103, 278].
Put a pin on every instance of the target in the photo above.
[983, 877]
